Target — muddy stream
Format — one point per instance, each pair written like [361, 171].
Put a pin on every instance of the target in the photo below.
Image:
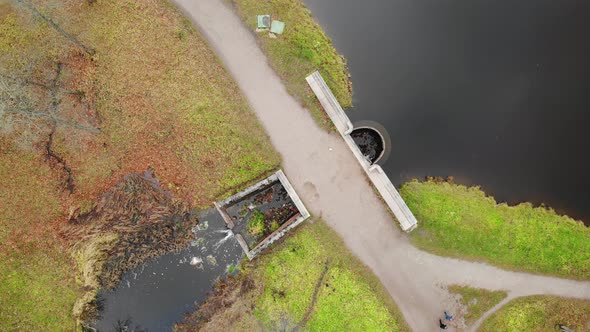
[156, 294]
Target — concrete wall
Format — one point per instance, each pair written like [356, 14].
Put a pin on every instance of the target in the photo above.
[288, 225]
[375, 173]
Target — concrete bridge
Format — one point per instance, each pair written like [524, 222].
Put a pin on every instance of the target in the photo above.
[380, 180]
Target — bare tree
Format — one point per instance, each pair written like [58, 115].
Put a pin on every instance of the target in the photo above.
[19, 112]
[17, 108]
[30, 109]
[56, 27]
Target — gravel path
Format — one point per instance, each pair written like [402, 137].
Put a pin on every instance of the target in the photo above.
[333, 186]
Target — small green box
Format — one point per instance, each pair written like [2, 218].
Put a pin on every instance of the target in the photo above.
[277, 27]
[263, 21]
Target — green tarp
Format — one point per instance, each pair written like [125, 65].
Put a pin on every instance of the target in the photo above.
[263, 21]
[277, 27]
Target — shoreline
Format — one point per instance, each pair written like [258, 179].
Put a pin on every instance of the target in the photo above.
[464, 222]
[542, 205]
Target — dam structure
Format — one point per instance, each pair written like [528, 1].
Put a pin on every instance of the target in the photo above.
[378, 178]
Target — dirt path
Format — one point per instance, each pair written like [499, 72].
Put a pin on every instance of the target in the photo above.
[332, 185]
[487, 314]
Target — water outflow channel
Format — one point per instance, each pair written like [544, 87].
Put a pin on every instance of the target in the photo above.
[157, 294]
[494, 93]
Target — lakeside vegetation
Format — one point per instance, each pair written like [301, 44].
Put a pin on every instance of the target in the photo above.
[144, 93]
[310, 281]
[302, 49]
[476, 301]
[463, 222]
[539, 314]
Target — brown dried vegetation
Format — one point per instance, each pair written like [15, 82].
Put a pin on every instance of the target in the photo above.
[150, 96]
[227, 299]
[147, 220]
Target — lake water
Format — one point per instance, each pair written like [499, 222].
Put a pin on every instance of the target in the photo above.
[494, 93]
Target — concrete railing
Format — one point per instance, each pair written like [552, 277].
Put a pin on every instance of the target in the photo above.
[375, 173]
[329, 102]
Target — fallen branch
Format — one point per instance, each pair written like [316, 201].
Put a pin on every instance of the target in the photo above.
[53, 90]
[43, 85]
[60, 160]
[49, 145]
[25, 81]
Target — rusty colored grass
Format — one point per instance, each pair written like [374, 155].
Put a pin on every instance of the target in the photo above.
[161, 101]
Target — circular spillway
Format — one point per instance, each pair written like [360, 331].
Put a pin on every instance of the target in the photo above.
[370, 141]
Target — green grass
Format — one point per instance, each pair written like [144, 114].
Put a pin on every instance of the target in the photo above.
[539, 314]
[302, 49]
[256, 224]
[169, 103]
[162, 100]
[37, 286]
[37, 296]
[309, 281]
[463, 222]
[477, 301]
[350, 297]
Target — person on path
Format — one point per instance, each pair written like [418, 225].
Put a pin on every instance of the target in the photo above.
[441, 324]
[448, 317]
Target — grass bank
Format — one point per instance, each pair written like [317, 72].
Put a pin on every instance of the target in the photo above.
[300, 50]
[37, 286]
[312, 282]
[539, 314]
[476, 301]
[463, 222]
[150, 96]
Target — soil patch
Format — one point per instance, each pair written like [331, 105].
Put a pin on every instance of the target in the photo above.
[225, 294]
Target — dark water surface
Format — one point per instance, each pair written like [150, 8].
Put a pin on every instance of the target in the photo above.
[494, 93]
[158, 293]
[369, 142]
